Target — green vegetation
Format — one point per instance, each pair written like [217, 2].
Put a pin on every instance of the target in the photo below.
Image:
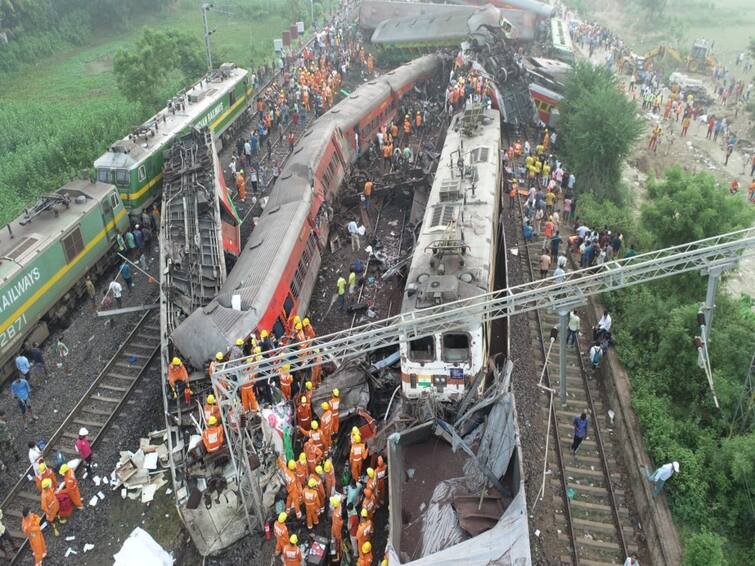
[142, 73]
[60, 106]
[599, 128]
[712, 497]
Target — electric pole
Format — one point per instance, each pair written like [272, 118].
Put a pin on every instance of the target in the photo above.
[206, 8]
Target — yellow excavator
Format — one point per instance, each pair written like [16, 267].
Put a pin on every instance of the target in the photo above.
[699, 60]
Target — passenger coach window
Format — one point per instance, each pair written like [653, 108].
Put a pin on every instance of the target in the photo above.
[422, 349]
[278, 328]
[288, 304]
[455, 347]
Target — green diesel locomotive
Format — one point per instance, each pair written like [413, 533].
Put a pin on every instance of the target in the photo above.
[45, 254]
[134, 164]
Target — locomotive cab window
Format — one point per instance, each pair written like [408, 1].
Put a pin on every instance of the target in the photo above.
[121, 177]
[73, 244]
[114, 200]
[422, 349]
[141, 173]
[103, 175]
[455, 347]
[231, 97]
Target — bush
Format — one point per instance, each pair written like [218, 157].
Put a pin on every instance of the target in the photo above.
[703, 549]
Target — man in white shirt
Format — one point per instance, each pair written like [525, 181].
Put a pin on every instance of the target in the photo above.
[571, 337]
[603, 326]
[116, 291]
[353, 229]
[661, 475]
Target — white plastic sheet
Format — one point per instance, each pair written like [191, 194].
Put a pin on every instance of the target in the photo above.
[142, 550]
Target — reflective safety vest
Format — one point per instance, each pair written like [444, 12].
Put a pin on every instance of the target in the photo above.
[213, 437]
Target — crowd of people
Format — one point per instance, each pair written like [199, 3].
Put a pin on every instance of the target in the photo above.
[58, 488]
[306, 87]
[311, 479]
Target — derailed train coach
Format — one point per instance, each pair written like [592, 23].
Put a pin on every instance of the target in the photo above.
[276, 272]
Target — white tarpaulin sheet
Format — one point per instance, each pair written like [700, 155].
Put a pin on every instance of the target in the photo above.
[140, 549]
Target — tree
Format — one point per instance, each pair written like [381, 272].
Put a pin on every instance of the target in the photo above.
[142, 73]
[684, 207]
[599, 126]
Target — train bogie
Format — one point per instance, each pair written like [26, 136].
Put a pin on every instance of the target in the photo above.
[61, 239]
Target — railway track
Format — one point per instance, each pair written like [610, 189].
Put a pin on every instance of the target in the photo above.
[98, 407]
[589, 489]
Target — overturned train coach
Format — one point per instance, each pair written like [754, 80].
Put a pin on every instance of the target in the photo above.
[276, 271]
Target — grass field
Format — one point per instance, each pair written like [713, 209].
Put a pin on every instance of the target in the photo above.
[47, 107]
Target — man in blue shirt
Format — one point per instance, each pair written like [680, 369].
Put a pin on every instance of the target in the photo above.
[21, 390]
[580, 431]
[22, 365]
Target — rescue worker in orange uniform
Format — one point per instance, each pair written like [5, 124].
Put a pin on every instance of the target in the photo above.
[326, 425]
[286, 381]
[319, 486]
[45, 473]
[30, 525]
[369, 502]
[380, 473]
[336, 526]
[299, 335]
[293, 501]
[357, 456]
[312, 504]
[211, 408]
[394, 131]
[309, 331]
[315, 435]
[304, 413]
[371, 480]
[51, 506]
[213, 436]
[281, 533]
[314, 455]
[213, 364]
[291, 552]
[301, 471]
[330, 477]
[241, 185]
[308, 391]
[354, 433]
[178, 377]
[248, 397]
[365, 530]
[335, 405]
[71, 486]
[365, 554]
